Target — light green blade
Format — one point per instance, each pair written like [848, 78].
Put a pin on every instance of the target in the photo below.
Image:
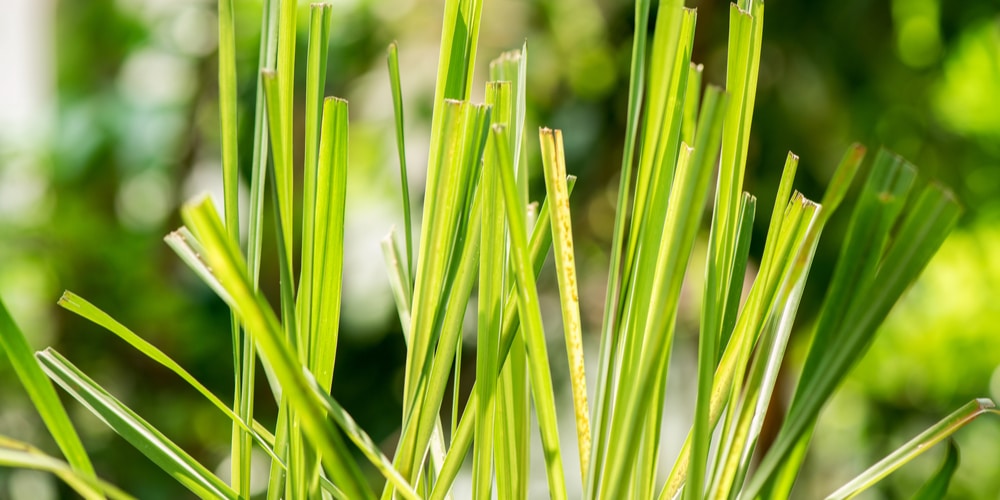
[923, 442]
[360, 438]
[871, 275]
[80, 306]
[531, 317]
[134, 429]
[489, 304]
[796, 246]
[42, 394]
[445, 277]
[613, 298]
[24, 456]
[246, 354]
[513, 412]
[541, 239]
[226, 264]
[331, 199]
[404, 183]
[315, 192]
[689, 192]
[658, 152]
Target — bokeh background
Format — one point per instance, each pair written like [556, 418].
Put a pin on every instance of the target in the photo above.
[109, 120]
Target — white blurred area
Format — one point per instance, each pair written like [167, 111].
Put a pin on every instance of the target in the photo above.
[27, 91]
[27, 98]
[27, 101]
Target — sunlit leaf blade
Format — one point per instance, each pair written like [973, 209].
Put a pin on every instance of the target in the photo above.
[688, 194]
[397, 108]
[134, 429]
[744, 234]
[23, 456]
[512, 445]
[280, 110]
[658, 152]
[797, 245]
[426, 419]
[937, 486]
[914, 447]
[227, 115]
[260, 321]
[612, 299]
[42, 393]
[734, 359]
[459, 41]
[289, 443]
[541, 240]
[873, 271]
[446, 271]
[400, 289]
[512, 407]
[741, 81]
[489, 304]
[78, 305]
[531, 318]
[360, 438]
[328, 251]
[315, 192]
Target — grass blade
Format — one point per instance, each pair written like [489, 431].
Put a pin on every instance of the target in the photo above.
[612, 296]
[397, 108]
[283, 117]
[313, 224]
[228, 118]
[688, 194]
[554, 161]
[795, 248]
[541, 239]
[361, 439]
[938, 484]
[730, 370]
[660, 145]
[24, 456]
[445, 276]
[400, 289]
[490, 303]
[921, 443]
[741, 80]
[871, 275]
[331, 198]
[399, 281]
[531, 318]
[80, 306]
[42, 394]
[247, 355]
[127, 424]
[267, 333]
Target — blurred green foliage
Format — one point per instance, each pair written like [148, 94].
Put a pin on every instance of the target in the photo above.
[135, 132]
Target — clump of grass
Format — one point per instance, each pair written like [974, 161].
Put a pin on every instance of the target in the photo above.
[478, 230]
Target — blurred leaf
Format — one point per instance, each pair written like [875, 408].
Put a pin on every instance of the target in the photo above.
[937, 486]
[914, 447]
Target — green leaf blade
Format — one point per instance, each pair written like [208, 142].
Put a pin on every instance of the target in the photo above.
[43, 394]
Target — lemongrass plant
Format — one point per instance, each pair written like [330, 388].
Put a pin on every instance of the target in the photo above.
[478, 230]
